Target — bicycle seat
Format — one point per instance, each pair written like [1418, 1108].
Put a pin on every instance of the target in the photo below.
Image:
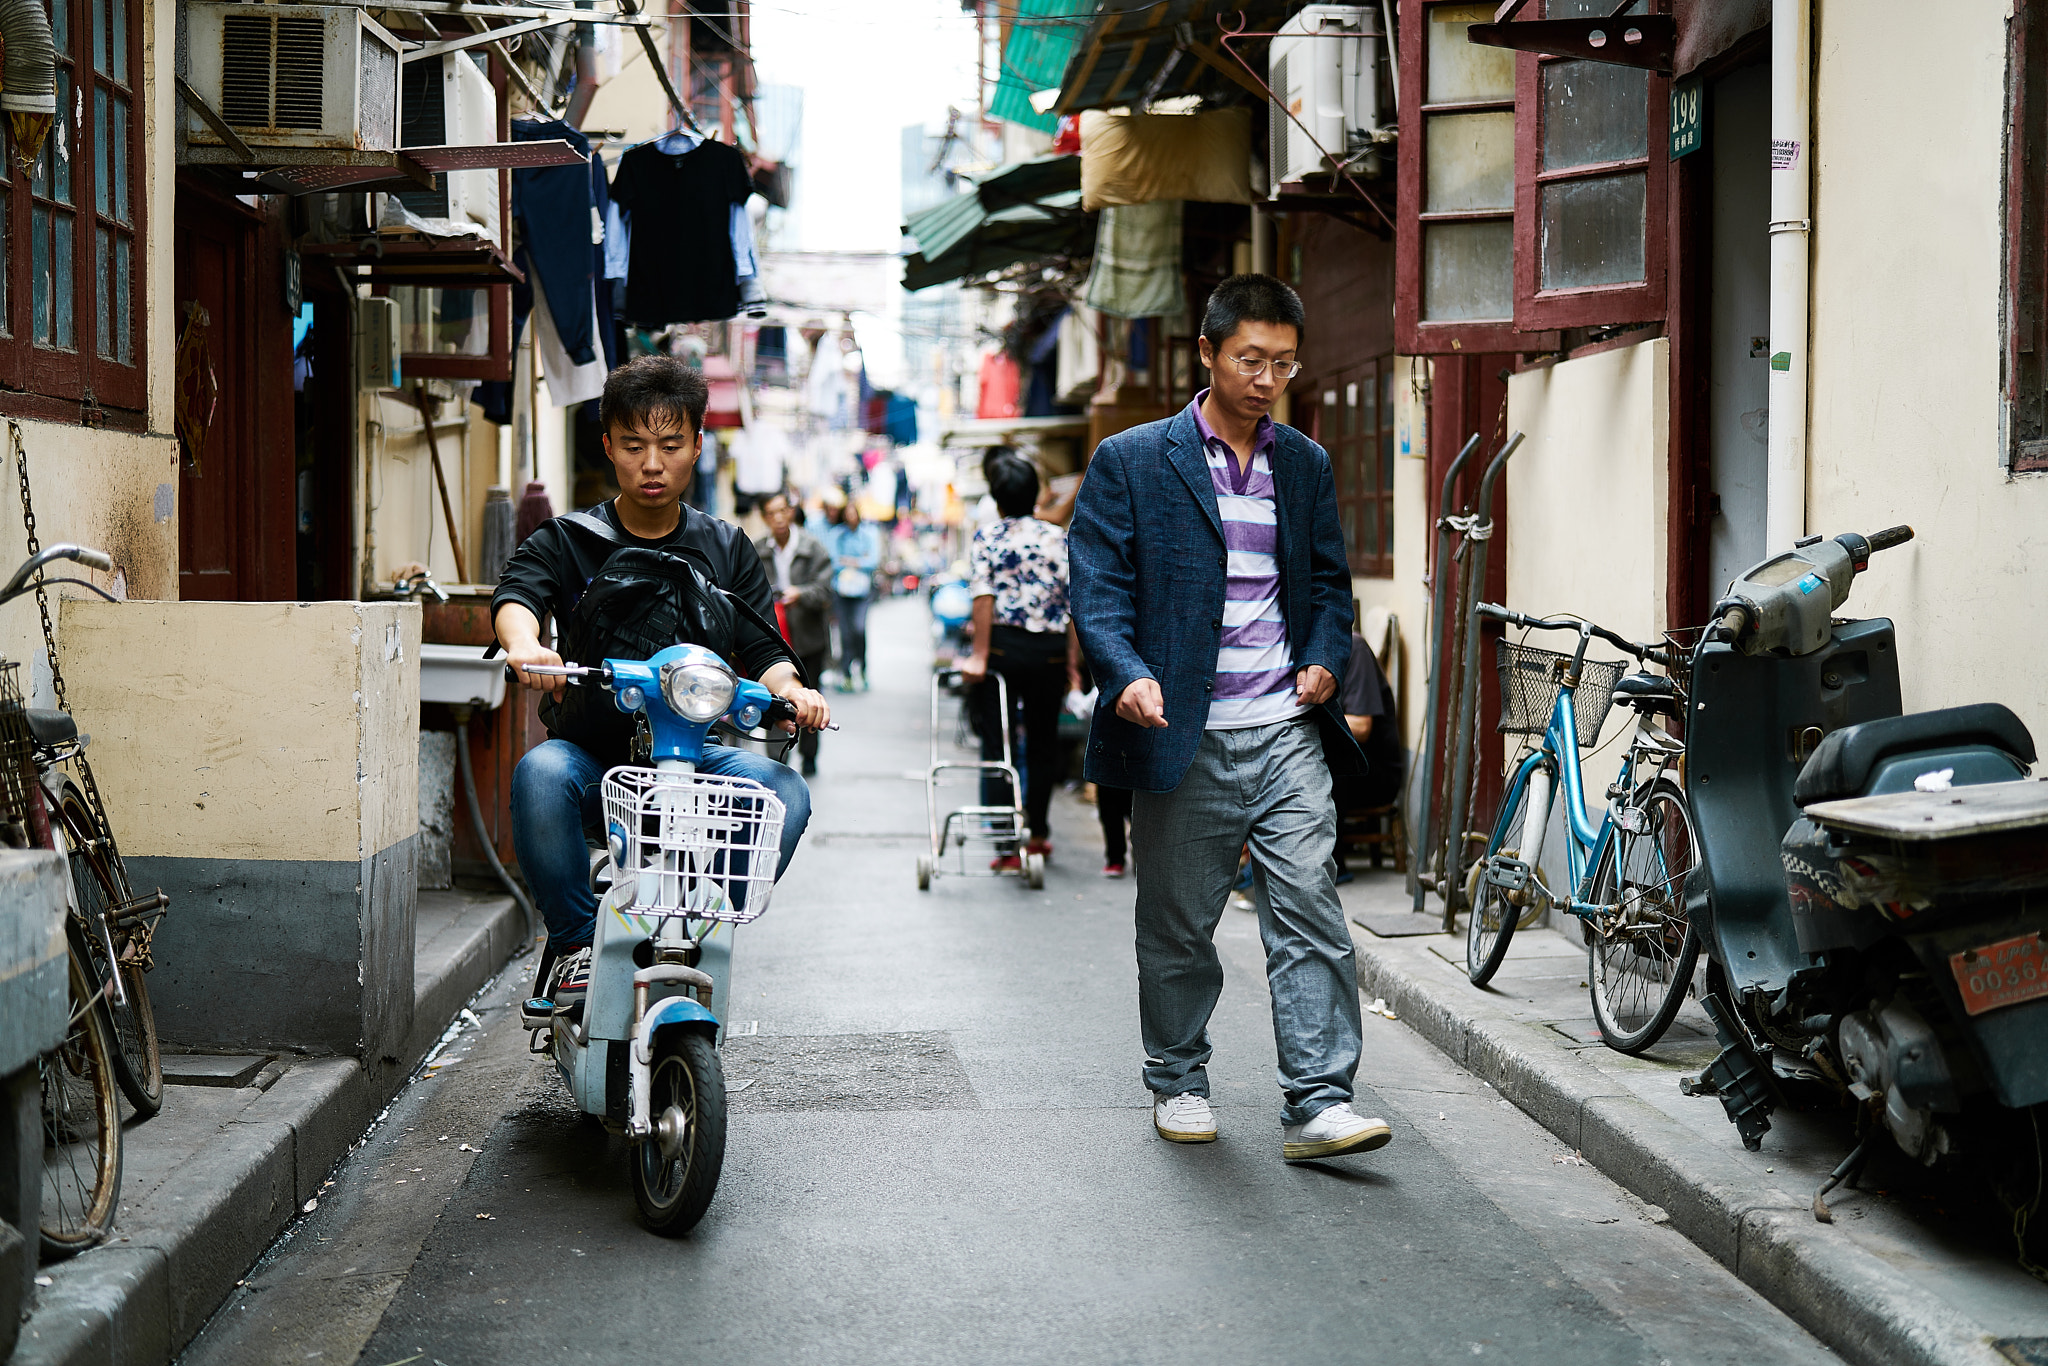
[1646, 691]
[50, 728]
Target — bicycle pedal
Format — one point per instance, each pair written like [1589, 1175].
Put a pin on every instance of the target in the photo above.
[1508, 874]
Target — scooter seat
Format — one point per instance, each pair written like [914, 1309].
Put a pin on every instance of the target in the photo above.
[1844, 760]
[50, 727]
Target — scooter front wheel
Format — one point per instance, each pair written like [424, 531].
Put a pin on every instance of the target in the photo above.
[675, 1169]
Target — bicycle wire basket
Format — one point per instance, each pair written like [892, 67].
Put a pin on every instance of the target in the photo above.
[17, 749]
[1529, 682]
[693, 844]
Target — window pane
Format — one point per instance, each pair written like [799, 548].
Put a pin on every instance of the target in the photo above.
[1471, 162]
[1468, 271]
[114, 136]
[119, 9]
[1369, 525]
[103, 294]
[124, 318]
[1459, 70]
[39, 261]
[63, 333]
[100, 186]
[448, 322]
[62, 135]
[60, 25]
[1592, 231]
[1594, 111]
[99, 34]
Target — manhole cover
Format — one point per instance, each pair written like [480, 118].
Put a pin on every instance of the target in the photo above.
[914, 1071]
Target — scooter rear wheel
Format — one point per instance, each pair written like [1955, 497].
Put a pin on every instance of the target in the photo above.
[675, 1170]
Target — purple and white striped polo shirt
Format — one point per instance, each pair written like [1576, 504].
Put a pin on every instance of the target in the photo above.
[1254, 667]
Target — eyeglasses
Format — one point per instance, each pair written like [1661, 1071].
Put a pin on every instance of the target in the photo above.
[1252, 369]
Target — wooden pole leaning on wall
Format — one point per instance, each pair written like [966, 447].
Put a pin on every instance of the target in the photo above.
[419, 397]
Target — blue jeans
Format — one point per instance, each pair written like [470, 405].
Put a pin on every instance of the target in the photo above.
[556, 793]
[1268, 786]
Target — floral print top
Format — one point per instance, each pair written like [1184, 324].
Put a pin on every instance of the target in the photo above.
[1022, 563]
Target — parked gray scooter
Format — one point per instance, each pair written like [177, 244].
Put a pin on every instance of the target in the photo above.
[1864, 890]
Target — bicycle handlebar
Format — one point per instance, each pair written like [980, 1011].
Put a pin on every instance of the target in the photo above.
[1651, 654]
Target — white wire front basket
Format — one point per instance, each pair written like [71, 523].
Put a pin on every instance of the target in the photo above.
[692, 844]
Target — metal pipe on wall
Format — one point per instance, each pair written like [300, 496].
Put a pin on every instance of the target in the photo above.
[1791, 258]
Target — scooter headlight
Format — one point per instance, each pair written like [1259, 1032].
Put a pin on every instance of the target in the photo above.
[697, 692]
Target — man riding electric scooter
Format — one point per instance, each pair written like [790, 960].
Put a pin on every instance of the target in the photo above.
[624, 579]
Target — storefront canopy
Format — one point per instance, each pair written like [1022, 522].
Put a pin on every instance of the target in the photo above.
[1165, 50]
[1026, 211]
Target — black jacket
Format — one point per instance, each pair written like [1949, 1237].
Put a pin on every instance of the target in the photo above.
[549, 572]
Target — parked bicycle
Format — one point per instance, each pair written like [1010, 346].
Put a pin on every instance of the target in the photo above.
[1625, 875]
[48, 799]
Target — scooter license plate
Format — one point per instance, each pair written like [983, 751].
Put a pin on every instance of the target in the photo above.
[2001, 974]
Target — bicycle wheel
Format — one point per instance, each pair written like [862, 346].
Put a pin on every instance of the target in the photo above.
[81, 1129]
[1492, 917]
[96, 878]
[1640, 958]
[675, 1169]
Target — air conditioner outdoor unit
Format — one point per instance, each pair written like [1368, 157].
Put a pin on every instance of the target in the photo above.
[1323, 67]
[447, 100]
[316, 76]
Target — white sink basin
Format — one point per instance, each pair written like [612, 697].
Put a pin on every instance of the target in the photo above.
[460, 675]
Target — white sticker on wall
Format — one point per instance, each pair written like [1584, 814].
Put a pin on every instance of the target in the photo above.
[1784, 153]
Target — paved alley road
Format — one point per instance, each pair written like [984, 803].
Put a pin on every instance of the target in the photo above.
[942, 1153]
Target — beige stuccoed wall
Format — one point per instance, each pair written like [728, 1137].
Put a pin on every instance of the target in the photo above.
[1908, 273]
[1587, 494]
[258, 730]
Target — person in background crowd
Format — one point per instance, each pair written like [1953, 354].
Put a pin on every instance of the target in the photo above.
[856, 555]
[1113, 810]
[1368, 704]
[1022, 632]
[800, 570]
[1217, 642]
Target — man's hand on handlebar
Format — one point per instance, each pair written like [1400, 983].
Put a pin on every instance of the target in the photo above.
[520, 656]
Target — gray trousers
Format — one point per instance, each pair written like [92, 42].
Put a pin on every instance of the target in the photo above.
[1269, 786]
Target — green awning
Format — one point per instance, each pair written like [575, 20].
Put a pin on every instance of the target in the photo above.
[961, 237]
[1042, 38]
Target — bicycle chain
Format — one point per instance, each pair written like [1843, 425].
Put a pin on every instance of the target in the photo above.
[141, 934]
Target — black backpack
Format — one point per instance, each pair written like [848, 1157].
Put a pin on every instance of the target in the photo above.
[641, 601]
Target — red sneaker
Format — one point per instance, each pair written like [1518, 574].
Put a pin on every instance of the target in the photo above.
[1005, 863]
[1112, 870]
[1042, 848]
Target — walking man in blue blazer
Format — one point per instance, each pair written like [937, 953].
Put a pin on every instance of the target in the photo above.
[1211, 593]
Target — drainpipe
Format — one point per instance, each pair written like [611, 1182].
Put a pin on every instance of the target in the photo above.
[1791, 255]
[29, 97]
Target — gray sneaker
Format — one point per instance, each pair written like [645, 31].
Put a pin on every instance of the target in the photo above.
[1185, 1118]
[1335, 1131]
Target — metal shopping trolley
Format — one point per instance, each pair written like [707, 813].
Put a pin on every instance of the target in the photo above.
[966, 833]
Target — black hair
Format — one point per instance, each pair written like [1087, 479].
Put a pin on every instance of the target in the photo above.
[654, 391]
[1254, 299]
[992, 455]
[1013, 483]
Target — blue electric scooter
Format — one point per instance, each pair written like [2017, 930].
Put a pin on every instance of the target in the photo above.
[686, 856]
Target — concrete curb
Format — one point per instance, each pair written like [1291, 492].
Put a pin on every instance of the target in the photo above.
[1853, 1301]
[137, 1303]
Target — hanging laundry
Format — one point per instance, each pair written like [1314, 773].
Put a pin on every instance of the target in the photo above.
[760, 458]
[600, 216]
[553, 208]
[1137, 261]
[686, 269]
[568, 383]
[999, 380]
[1079, 363]
[901, 427]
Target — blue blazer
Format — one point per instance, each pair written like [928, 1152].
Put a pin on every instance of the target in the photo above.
[1147, 562]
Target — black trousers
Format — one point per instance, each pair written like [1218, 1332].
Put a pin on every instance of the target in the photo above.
[1034, 665]
[814, 666]
[1113, 809]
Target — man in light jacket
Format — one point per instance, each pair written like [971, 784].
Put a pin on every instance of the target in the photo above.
[800, 570]
[1212, 597]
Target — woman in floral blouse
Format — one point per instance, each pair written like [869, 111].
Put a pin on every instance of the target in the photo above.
[1021, 631]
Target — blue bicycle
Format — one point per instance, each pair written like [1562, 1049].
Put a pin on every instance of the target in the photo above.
[1626, 874]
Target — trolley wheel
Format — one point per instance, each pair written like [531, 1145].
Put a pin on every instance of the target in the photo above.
[924, 872]
[1034, 871]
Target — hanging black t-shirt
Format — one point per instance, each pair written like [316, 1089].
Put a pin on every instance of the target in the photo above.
[681, 267]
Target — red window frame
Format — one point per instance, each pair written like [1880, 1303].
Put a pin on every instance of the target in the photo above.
[45, 379]
[1538, 309]
[1361, 456]
[1413, 336]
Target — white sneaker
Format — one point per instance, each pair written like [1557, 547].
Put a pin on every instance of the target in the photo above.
[1185, 1118]
[1334, 1131]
